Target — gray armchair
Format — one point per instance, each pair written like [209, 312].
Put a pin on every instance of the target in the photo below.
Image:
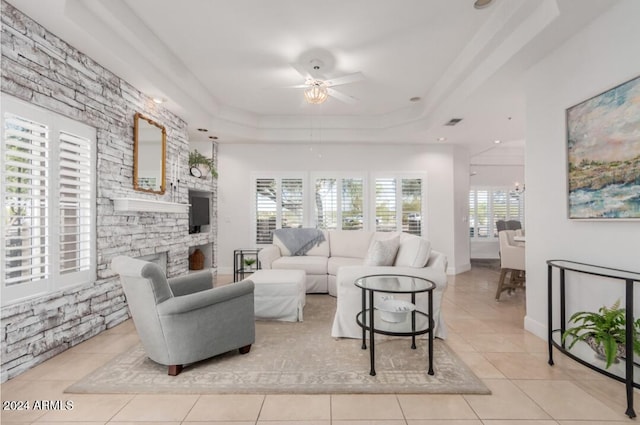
[185, 320]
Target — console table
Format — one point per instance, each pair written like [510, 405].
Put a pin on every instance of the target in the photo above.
[416, 322]
[625, 370]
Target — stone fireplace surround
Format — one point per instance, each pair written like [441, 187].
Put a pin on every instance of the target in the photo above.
[44, 70]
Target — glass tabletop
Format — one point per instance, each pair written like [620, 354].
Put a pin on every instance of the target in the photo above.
[595, 270]
[395, 284]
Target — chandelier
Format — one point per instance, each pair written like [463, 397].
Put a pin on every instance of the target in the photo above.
[316, 93]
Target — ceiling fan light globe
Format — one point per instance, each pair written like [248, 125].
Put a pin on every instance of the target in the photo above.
[316, 94]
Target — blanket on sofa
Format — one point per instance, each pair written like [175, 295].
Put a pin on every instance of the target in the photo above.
[299, 241]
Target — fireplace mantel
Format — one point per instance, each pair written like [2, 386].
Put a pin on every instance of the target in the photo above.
[148, 205]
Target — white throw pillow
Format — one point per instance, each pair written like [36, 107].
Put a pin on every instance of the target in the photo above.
[382, 252]
[414, 251]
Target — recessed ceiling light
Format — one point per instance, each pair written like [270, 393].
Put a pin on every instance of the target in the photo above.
[497, 142]
[159, 100]
[442, 139]
[415, 99]
[204, 130]
[481, 4]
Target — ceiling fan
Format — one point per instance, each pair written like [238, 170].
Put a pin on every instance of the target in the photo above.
[318, 89]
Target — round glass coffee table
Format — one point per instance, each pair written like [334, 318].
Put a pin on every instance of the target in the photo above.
[414, 323]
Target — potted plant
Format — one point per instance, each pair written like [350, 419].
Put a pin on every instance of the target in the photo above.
[603, 331]
[249, 262]
[199, 161]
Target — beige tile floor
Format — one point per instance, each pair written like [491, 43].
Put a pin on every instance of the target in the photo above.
[487, 335]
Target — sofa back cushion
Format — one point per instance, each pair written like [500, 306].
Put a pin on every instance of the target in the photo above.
[382, 252]
[349, 243]
[413, 251]
[321, 250]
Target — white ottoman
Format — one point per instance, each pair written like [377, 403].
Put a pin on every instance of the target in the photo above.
[279, 294]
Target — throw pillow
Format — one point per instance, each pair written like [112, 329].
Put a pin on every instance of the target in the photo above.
[382, 252]
[414, 251]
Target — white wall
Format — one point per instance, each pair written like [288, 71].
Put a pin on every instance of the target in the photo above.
[238, 162]
[497, 175]
[601, 56]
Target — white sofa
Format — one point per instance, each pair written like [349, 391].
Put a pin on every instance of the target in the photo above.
[334, 265]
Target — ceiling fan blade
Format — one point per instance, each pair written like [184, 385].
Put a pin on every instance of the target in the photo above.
[341, 96]
[298, 86]
[346, 79]
[303, 72]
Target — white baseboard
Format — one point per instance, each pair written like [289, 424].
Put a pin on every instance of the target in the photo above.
[451, 270]
[538, 329]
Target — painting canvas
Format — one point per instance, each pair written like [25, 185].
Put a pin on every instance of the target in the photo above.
[603, 139]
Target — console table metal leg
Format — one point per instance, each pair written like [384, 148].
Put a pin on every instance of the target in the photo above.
[431, 323]
[629, 348]
[372, 349]
[550, 313]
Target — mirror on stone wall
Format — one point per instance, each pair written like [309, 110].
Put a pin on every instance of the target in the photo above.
[149, 154]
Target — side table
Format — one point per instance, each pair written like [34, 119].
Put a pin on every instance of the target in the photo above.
[240, 267]
[416, 322]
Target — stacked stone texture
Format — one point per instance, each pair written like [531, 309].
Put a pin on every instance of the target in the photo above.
[44, 70]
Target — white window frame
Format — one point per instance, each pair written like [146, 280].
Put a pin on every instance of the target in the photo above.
[491, 221]
[56, 280]
[339, 177]
[398, 176]
[368, 192]
[278, 177]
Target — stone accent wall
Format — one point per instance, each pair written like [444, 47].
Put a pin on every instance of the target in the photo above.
[44, 70]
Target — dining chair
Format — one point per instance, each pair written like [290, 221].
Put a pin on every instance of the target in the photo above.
[512, 263]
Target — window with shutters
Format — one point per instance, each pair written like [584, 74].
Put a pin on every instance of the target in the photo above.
[326, 203]
[339, 203]
[386, 205]
[399, 203]
[279, 203]
[48, 201]
[412, 206]
[488, 205]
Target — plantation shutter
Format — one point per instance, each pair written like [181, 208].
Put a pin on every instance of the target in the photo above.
[352, 204]
[326, 203]
[74, 188]
[472, 213]
[499, 208]
[266, 210]
[482, 213]
[386, 205]
[292, 203]
[412, 206]
[26, 197]
[515, 207]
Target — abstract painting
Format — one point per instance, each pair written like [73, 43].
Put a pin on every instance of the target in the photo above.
[603, 142]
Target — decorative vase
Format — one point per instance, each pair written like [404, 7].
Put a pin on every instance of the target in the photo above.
[196, 260]
[599, 350]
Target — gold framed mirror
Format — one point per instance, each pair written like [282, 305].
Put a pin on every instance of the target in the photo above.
[149, 155]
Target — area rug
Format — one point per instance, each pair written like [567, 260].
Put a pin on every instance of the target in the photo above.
[300, 358]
